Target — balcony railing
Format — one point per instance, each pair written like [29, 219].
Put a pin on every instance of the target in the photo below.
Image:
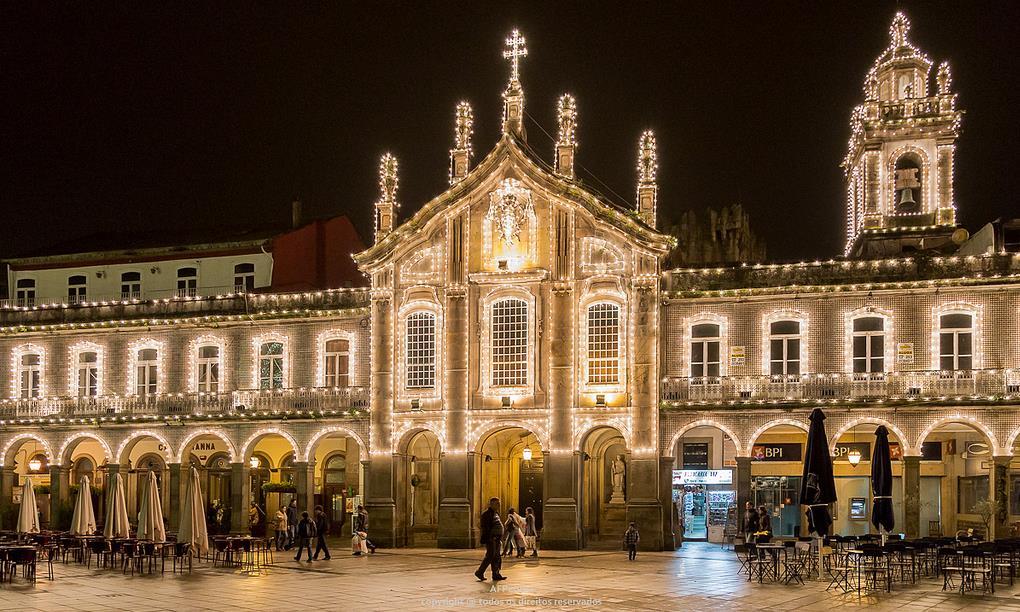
[317, 400]
[971, 384]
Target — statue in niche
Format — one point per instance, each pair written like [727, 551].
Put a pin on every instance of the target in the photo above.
[619, 469]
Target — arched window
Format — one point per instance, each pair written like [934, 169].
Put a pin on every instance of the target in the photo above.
[908, 182]
[705, 343]
[271, 371]
[77, 289]
[25, 295]
[956, 341]
[146, 372]
[784, 348]
[187, 282]
[208, 368]
[29, 375]
[244, 278]
[509, 343]
[130, 285]
[336, 369]
[420, 355]
[603, 344]
[868, 345]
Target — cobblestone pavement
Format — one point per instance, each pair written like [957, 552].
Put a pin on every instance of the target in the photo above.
[700, 577]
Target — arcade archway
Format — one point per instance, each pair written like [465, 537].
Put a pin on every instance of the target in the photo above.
[418, 488]
[603, 497]
[510, 464]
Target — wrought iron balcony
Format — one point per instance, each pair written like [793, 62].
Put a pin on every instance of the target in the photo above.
[254, 403]
[968, 385]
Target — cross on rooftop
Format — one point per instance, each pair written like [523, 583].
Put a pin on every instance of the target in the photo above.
[515, 50]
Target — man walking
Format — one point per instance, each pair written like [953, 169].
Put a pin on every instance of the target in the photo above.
[292, 521]
[492, 537]
[321, 527]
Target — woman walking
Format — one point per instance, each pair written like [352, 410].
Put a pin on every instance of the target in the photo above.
[530, 532]
[512, 528]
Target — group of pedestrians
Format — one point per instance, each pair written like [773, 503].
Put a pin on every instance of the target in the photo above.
[500, 539]
[292, 529]
[756, 520]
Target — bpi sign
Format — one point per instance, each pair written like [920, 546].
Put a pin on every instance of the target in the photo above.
[777, 452]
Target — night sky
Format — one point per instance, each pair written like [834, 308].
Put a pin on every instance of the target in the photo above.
[141, 116]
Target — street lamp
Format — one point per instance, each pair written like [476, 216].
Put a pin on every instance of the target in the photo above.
[527, 453]
[35, 465]
[253, 463]
[854, 457]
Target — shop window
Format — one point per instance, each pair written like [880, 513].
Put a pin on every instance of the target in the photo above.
[971, 491]
[705, 350]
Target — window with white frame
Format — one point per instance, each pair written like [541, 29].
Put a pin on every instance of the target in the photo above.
[956, 341]
[603, 344]
[25, 292]
[187, 282]
[146, 372]
[244, 278]
[87, 374]
[76, 289]
[420, 350]
[208, 368]
[509, 343]
[784, 348]
[336, 369]
[271, 374]
[705, 343]
[29, 375]
[130, 285]
[868, 345]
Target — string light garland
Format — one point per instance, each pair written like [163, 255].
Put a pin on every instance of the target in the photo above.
[387, 205]
[567, 119]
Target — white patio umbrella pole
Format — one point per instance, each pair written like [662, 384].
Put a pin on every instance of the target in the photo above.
[28, 515]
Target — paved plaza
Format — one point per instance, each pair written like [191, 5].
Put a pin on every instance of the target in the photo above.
[701, 577]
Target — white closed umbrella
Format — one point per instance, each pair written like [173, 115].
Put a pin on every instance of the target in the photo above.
[150, 517]
[28, 517]
[116, 510]
[83, 522]
[193, 528]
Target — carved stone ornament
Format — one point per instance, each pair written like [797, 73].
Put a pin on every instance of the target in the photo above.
[510, 207]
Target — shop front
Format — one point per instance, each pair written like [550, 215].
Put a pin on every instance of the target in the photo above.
[776, 468]
[707, 502]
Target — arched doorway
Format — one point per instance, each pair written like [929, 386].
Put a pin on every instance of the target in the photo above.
[138, 477]
[211, 455]
[851, 466]
[29, 457]
[777, 463]
[956, 480]
[259, 473]
[420, 488]
[263, 451]
[603, 498]
[704, 485]
[338, 477]
[510, 466]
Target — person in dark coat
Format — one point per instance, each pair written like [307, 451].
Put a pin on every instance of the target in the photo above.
[766, 520]
[361, 524]
[321, 529]
[751, 521]
[292, 521]
[492, 537]
[305, 533]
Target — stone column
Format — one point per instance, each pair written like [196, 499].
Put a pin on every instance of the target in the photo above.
[456, 515]
[643, 505]
[240, 492]
[379, 493]
[60, 493]
[999, 495]
[912, 497]
[175, 494]
[7, 477]
[742, 484]
[304, 480]
[560, 517]
[666, 502]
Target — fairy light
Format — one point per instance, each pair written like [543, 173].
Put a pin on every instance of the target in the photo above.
[387, 205]
[888, 338]
[257, 343]
[497, 294]
[320, 354]
[74, 353]
[76, 438]
[194, 352]
[20, 439]
[567, 119]
[134, 436]
[513, 97]
[975, 311]
[134, 349]
[19, 370]
[648, 168]
[248, 448]
[460, 154]
[802, 336]
[944, 78]
[194, 435]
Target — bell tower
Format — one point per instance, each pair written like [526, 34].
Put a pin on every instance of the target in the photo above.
[898, 168]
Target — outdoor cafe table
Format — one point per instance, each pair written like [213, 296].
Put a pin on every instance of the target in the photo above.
[5, 549]
[773, 549]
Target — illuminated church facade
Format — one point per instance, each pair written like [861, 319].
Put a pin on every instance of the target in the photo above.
[519, 340]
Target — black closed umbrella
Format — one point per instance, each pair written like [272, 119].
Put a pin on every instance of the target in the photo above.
[881, 482]
[818, 487]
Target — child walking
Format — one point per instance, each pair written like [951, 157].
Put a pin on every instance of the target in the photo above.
[631, 538]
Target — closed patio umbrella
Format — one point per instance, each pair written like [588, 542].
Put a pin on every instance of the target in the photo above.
[150, 516]
[817, 486]
[881, 483]
[28, 516]
[83, 522]
[116, 510]
[193, 528]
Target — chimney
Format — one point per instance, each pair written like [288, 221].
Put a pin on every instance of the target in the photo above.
[295, 214]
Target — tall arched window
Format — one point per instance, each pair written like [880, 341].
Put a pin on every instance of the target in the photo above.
[603, 344]
[784, 348]
[87, 374]
[705, 343]
[509, 343]
[208, 368]
[146, 372]
[336, 369]
[271, 371]
[908, 183]
[29, 375]
[420, 350]
[868, 345]
[956, 341]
